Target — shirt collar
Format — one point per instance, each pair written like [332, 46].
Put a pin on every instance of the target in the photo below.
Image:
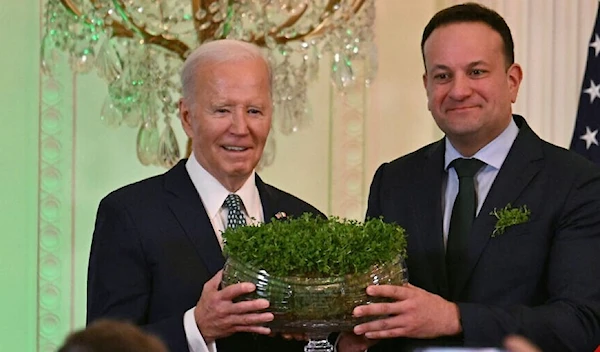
[213, 193]
[493, 154]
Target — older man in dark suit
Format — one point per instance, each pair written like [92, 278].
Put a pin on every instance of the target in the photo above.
[504, 228]
[157, 243]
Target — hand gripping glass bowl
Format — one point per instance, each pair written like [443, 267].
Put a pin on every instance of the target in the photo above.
[315, 306]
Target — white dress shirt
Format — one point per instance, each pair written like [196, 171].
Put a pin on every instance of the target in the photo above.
[213, 194]
[493, 154]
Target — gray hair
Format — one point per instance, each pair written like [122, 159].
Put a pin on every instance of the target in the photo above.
[215, 52]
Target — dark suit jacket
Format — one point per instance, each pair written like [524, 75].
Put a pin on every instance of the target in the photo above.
[153, 249]
[541, 278]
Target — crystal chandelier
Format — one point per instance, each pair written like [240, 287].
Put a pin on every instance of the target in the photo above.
[138, 48]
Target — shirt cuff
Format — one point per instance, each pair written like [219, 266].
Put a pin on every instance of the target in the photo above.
[193, 336]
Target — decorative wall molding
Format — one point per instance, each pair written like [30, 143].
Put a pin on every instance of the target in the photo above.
[54, 216]
[347, 153]
[56, 138]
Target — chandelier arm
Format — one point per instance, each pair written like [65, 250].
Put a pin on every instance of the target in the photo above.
[173, 45]
[316, 31]
[288, 23]
[196, 5]
[323, 26]
[118, 29]
[208, 32]
[121, 31]
[120, 8]
[357, 5]
[69, 5]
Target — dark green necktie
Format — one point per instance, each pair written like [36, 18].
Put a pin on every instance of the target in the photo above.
[235, 217]
[463, 214]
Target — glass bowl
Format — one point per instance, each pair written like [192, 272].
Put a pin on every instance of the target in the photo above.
[314, 306]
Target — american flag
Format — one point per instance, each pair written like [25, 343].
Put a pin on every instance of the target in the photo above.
[585, 136]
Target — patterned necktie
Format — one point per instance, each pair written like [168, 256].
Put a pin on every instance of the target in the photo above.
[463, 214]
[235, 217]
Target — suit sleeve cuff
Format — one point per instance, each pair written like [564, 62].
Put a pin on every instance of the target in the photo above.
[193, 336]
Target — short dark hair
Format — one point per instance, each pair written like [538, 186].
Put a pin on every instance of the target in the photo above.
[472, 12]
[112, 336]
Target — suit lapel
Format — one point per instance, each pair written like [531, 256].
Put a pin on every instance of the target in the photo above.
[428, 210]
[268, 200]
[187, 207]
[522, 163]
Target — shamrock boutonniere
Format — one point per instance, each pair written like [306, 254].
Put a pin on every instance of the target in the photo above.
[509, 216]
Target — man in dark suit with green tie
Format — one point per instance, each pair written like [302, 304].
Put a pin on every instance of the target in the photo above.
[503, 227]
